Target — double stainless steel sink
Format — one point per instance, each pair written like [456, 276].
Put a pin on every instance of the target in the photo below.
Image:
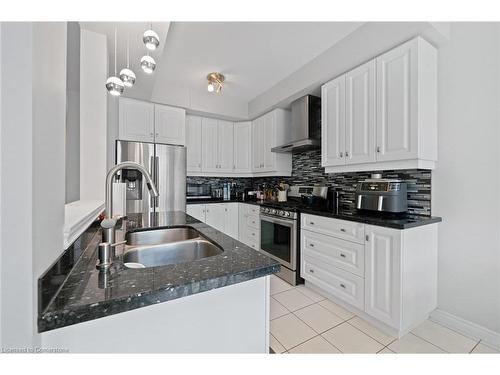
[159, 247]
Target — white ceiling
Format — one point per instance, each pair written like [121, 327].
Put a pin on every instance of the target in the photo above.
[253, 56]
[133, 30]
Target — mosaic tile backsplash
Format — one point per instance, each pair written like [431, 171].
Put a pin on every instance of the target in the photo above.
[307, 170]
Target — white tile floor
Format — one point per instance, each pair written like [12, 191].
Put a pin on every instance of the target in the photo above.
[302, 321]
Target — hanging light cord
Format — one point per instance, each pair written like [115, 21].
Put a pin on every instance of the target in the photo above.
[128, 51]
[115, 51]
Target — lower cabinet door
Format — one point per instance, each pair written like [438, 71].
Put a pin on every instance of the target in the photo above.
[231, 219]
[197, 211]
[339, 283]
[215, 216]
[383, 274]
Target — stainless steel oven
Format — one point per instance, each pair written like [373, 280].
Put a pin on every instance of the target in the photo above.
[279, 240]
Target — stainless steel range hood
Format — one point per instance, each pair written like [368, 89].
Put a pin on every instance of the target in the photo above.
[305, 129]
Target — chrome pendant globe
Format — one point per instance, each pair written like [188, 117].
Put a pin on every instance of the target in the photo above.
[148, 64]
[128, 77]
[151, 39]
[115, 86]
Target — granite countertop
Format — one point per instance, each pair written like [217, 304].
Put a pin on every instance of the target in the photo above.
[88, 294]
[401, 221]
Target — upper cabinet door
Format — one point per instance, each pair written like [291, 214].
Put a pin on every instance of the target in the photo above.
[193, 143]
[170, 125]
[333, 122]
[242, 146]
[397, 103]
[268, 137]
[136, 120]
[257, 146]
[209, 149]
[360, 114]
[225, 148]
[383, 274]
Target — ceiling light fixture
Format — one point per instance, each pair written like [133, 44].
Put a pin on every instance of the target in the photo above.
[148, 64]
[215, 82]
[114, 84]
[126, 74]
[151, 39]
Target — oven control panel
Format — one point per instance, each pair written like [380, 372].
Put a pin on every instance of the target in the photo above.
[277, 212]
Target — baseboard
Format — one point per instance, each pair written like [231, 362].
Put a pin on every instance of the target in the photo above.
[466, 327]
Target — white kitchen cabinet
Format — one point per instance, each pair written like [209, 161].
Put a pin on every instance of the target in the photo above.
[193, 144]
[231, 217]
[209, 142]
[242, 147]
[387, 276]
[268, 131]
[225, 147]
[221, 216]
[215, 216]
[170, 125]
[141, 121]
[257, 144]
[383, 274]
[217, 146]
[136, 120]
[249, 225]
[197, 211]
[360, 114]
[333, 123]
[383, 114]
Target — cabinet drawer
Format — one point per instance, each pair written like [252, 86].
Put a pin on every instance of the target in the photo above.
[339, 283]
[346, 230]
[346, 255]
[253, 221]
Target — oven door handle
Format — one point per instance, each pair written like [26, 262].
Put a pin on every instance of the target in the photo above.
[272, 219]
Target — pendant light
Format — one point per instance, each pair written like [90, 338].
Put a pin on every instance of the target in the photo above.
[115, 85]
[126, 74]
[148, 64]
[151, 39]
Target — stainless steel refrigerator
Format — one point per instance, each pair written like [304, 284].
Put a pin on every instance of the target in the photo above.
[167, 166]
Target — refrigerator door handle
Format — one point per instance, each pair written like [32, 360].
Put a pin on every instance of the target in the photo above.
[152, 169]
[156, 178]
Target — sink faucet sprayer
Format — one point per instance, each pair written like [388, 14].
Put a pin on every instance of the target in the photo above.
[109, 223]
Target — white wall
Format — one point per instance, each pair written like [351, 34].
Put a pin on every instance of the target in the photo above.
[466, 183]
[16, 168]
[0, 182]
[32, 167]
[93, 115]
[73, 113]
[49, 128]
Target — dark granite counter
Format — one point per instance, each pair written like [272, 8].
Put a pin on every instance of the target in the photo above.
[382, 220]
[88, 294]
[401, 221]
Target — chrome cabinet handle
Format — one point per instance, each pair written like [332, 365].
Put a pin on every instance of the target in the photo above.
[342, 286]
[347, 154]
[342, 230]
[311, 223]
[311, 245]
[311, 270]
[367, 237]
[341, 154]
[157, 134]
[378, 148]
[342, 255]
